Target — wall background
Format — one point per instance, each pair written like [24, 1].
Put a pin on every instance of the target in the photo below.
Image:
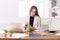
[8, 13]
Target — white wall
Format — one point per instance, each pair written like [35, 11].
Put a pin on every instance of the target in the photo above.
[58, 9]
[8, 11]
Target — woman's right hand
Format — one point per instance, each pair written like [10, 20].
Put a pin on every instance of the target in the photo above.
[26, 27]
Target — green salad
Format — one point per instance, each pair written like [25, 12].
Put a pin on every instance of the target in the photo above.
[31, 29]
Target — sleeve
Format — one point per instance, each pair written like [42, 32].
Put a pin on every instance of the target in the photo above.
[38, 25]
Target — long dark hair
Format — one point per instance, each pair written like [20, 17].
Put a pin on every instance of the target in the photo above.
[34, 7]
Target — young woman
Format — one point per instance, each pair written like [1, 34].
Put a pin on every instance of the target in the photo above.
[34, 19]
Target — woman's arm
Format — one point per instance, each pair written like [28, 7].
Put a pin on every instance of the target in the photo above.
[38, 24]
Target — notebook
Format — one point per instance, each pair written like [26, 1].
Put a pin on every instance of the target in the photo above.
[34, 35]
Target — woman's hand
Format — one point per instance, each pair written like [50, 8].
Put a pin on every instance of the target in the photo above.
[26, 27]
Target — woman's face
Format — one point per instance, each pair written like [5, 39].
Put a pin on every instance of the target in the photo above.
[33, 11]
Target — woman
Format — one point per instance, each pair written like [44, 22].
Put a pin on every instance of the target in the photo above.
[34, 19]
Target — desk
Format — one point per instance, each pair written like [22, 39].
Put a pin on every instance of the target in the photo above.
[47, 36]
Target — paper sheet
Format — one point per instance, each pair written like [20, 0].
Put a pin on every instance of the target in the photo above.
[18, 35]
[58, 34]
